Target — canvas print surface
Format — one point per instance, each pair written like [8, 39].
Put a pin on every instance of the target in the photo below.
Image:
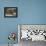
[10, 11]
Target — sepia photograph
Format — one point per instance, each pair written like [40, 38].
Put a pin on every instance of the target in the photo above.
[10, 12]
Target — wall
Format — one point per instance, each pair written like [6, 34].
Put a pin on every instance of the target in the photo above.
[29, 12]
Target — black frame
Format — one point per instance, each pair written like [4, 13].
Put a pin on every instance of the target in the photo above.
[11, 16]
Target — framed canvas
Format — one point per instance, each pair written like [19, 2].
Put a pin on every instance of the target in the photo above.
[10, 12]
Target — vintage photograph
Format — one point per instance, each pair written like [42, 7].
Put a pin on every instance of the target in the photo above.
[10, 12]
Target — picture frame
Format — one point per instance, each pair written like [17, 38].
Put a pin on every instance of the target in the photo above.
[11, 12]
